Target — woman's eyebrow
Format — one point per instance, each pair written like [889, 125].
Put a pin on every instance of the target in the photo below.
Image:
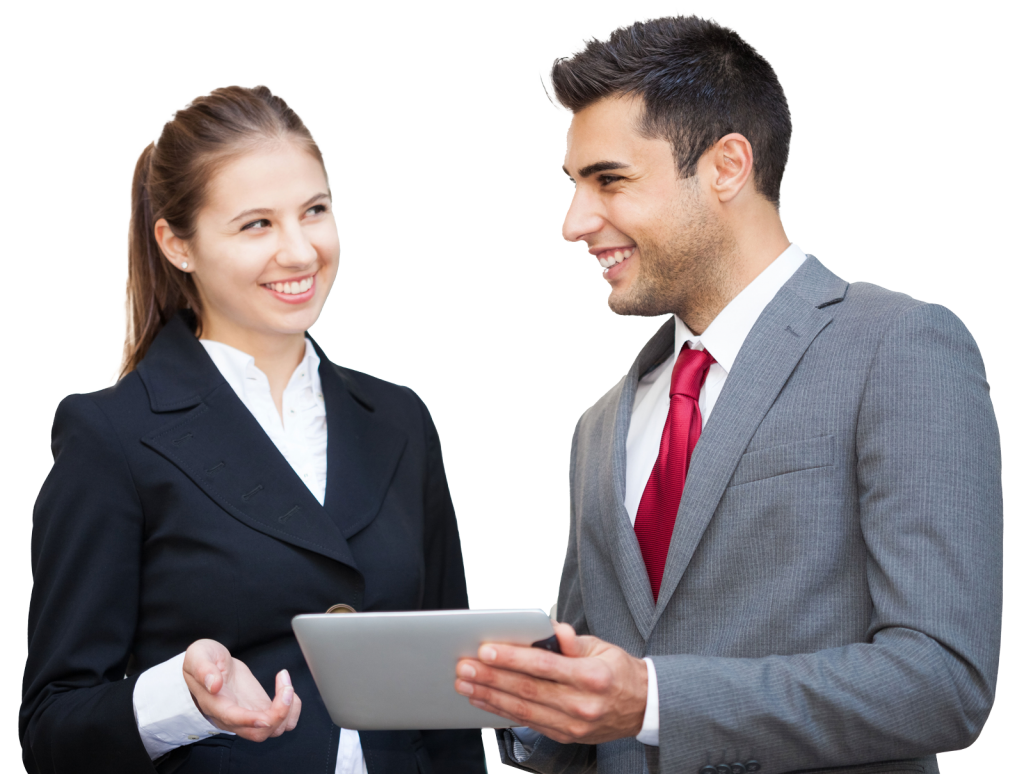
[269, 210]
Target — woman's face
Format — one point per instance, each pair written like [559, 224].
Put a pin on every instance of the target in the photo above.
[265, 251]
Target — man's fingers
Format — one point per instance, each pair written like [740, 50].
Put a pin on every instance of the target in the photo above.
[531, 661]
[551, 723]
[477, 681]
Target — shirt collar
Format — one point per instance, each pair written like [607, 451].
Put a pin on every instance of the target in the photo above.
[727, 332]
[239, 368]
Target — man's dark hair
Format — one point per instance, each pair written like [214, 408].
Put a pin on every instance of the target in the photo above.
[699, 82]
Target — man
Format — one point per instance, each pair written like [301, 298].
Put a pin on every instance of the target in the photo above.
[784, 548]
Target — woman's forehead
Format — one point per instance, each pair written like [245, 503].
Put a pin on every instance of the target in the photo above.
[270, 175]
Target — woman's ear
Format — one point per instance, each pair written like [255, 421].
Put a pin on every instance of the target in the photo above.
[174, 248]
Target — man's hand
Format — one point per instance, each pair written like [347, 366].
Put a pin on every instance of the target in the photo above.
[594, 692]
[232, 699]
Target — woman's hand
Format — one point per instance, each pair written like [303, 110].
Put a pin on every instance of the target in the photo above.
[225, 691]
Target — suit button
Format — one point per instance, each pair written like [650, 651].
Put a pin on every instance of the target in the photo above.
[753, 765]
[723, 768]
[341, 608]
[737, 768]
[709, 770]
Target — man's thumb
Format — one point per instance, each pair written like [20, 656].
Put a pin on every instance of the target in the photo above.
[568, 642]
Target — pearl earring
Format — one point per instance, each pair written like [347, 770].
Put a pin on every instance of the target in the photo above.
[184, 264]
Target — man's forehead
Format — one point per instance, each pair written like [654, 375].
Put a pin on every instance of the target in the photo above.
[603, 132]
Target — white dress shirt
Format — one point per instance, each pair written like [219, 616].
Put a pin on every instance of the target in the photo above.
[723, 339]
[164, 710]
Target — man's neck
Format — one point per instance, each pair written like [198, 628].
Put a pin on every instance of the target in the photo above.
[754, 246]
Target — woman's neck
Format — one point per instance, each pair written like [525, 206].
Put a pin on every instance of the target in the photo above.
[277, 356]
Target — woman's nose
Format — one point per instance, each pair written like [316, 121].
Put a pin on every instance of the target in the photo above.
[296, 250]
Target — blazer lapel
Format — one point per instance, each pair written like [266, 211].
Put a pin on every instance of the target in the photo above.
[779, 338]
[624, 549]
[221, 447]
[363, 451]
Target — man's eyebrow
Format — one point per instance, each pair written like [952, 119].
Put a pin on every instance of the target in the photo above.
[600, 166]
[267, 211]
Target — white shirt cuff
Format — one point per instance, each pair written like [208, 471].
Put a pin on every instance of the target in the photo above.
[649, 730]
[165, 712]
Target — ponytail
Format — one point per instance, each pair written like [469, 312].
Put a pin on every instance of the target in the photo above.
[170, 180]
[156, 290]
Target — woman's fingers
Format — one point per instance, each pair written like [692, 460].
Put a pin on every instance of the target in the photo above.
[205, 661]
[293, 714]
[284, 700]
[232, 698]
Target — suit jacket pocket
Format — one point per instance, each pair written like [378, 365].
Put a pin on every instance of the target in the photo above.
[785, 458]
[889, 767]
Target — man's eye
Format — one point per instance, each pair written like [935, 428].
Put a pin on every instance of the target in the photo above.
[608, 179]
[261, 223]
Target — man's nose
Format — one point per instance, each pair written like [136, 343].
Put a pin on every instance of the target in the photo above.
[583, 217]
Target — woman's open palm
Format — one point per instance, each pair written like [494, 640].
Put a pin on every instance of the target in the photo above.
[226, 692]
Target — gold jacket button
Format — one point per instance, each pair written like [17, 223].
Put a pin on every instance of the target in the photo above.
[341, 608]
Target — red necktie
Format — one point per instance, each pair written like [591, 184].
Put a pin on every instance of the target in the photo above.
[656, 516]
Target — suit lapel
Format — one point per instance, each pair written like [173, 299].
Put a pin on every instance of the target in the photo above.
[625, 551]
[221, 447]
[774, 347]
[363, 451]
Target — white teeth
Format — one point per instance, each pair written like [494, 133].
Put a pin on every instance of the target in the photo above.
[617, 257]
[292, 288]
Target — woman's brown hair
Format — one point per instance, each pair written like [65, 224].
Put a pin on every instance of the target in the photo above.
[170, 182]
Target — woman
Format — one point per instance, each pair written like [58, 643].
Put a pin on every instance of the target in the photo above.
[233, 478]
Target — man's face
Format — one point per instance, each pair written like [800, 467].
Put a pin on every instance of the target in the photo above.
[654, 235]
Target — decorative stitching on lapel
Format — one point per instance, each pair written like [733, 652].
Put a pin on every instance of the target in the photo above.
[224, 500]
[250, 495]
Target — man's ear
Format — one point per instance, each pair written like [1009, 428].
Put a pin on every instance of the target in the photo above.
[732, 160]
[174, 248]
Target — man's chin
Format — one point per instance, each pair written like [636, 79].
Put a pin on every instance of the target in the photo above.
[634, 305]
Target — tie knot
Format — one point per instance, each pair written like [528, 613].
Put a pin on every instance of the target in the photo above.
[690, 371]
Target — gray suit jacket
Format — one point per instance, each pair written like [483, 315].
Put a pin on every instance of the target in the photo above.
[832, 593]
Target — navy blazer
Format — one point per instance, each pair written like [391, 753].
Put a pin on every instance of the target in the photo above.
[170, 516]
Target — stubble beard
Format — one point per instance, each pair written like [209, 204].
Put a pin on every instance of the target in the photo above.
[683, 272]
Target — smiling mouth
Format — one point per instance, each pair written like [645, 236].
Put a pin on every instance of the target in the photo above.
[291, 288]
[611, 257]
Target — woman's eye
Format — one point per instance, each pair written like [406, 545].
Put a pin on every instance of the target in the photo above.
[316, 209]
[261, 223]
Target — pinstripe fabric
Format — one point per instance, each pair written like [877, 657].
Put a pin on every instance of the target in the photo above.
[832, 593]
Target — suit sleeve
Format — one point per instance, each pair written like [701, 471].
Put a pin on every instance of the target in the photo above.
[923, 681]
[455, 751]
[548, 756]
[77, 713]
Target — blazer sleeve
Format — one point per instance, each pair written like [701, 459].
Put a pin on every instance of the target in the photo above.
[923, 681]
[77, 713]
[456, 751]
[547, 755]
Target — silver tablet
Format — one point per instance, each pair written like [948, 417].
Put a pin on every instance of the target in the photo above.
[397, 670]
